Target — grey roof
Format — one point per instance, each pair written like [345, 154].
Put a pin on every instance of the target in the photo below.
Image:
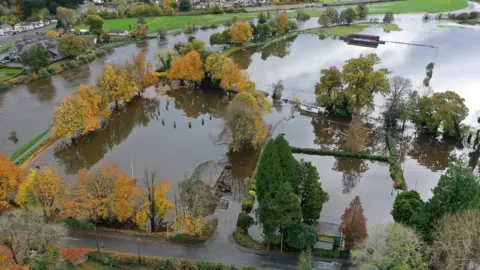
[327, 228]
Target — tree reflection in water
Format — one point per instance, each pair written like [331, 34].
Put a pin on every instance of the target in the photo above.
[433, 153]
[89, 150]
[243, 164]
[43, 89]
[352, 169]
[200, 102]
[279, 49]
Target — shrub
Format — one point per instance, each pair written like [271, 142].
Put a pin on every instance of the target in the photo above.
[474, 14]
[251, 193]
[100, 53]
[247, 204]
[326, 253]
[247, 241]
[220, 37]
[253, 187]
[108, 48]
[302, 16]
[244, 222]
[43, 72]
[204, 27]
[185, 238]
[189, 29]
[75, 223]
[463, 16]
[213, 26]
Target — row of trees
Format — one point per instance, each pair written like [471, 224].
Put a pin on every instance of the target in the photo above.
[352, 90]
[441, 233]
[83, 112]
[290, 196]
[242, 32]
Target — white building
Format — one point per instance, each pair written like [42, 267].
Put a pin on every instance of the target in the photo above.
[5, 30]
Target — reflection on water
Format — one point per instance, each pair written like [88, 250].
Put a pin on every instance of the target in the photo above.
[432, 153]
[352, 170]
[43, 89]
[196, 102]
[89, 150]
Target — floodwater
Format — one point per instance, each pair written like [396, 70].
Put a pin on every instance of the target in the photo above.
[174, 132]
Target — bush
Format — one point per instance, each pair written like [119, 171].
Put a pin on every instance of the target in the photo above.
[247, 204]
[43, 72]
[474, 15]
[189, 29]
[213, 26]
[327, 152]
[302, 16]
[108, 48]
[253, 187]
[247, 241]
[463, 16]
[220, 37]
[100, 53]
[184, 238]
[215, 9]
[204, 27]
[244, 222]
[326, 253]
[77, 224]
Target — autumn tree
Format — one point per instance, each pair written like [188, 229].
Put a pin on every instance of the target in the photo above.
[156, 197]
[44, 188]
[215, 64]
[244, 125]
[70, 118]
[446, 109]
[456, 241]
[114, 87]
[73, 45]
[25, 229]
[11, 177]
[282, 23]
[329, 89]
[141, 31]
[354, 224]
[95, 23]
[139, 74]
[324, 20]
[241, 32]
[194, 45]
[108, 194]
[187, 68]
[97, 108]
[232, 77]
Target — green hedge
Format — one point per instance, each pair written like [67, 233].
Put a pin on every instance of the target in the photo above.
[247, 241]
[77, 224]
[396, 172]
[28, 145]
[326, 253]
[125, 261]
[326, 152]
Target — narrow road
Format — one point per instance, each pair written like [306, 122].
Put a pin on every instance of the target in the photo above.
[219, 249]
[10, 39]
[227, 254]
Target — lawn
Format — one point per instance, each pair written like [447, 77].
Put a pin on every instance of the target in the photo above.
[176, 22]
[419, 6]
[7, 73]
[345, 30]
[92, 265]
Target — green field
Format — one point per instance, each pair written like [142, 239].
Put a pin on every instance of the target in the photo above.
[175, 22]
[352, 29]
[7, 73]
[419, 6]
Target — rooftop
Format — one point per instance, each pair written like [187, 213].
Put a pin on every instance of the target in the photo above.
[327, 228]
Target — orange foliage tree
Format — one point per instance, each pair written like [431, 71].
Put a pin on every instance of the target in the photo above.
[156, 197]
[11, 177]
[97, 108]
[141, 71]
[187, 68]
[43, 187]
[109, 194]
[70, 117]
[241, 32]
[233, 78]
[354, 224]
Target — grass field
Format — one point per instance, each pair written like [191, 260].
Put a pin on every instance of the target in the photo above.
[28, 145]
[176, 22]
[352, 29]
[7, 73]
[419, 6]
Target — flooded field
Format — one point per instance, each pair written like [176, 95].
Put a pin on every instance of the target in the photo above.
[174, 132]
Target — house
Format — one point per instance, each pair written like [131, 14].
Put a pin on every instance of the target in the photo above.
[98, 2]
[5, 30]
[117, 32]
[50, 43]
[329, 235]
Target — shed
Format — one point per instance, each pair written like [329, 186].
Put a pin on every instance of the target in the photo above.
[329, 235]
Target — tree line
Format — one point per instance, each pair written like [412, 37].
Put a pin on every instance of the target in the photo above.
[83, 111]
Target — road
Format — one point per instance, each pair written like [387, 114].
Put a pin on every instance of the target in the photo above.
[10, 39]
[215, 251]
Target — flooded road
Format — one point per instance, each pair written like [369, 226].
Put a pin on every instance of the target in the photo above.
[174, 132]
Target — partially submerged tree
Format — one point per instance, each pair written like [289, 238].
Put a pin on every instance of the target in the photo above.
[187, 68]
[73, 45]
[158, 205]
[241, 32]
[397, 100]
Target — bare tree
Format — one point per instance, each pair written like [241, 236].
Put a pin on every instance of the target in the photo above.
[150, 181]
[24, 229]
[390, 246]
[457, 241]
[400, 89]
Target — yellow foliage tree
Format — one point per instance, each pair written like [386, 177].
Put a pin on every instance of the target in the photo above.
[214, 65]
[187, 68]
[45, 188]
[194, 225]
[11, 177]
[282, 23]
[244, 124]
[241, 32]
[162, 205]
[70, 118]
[141, 31]
[232, 77]
[108, 193]
[52, 33]
[141, 71]
[97, 109]
[114, 87]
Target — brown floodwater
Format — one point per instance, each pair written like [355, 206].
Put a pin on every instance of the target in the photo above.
[174, 132]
